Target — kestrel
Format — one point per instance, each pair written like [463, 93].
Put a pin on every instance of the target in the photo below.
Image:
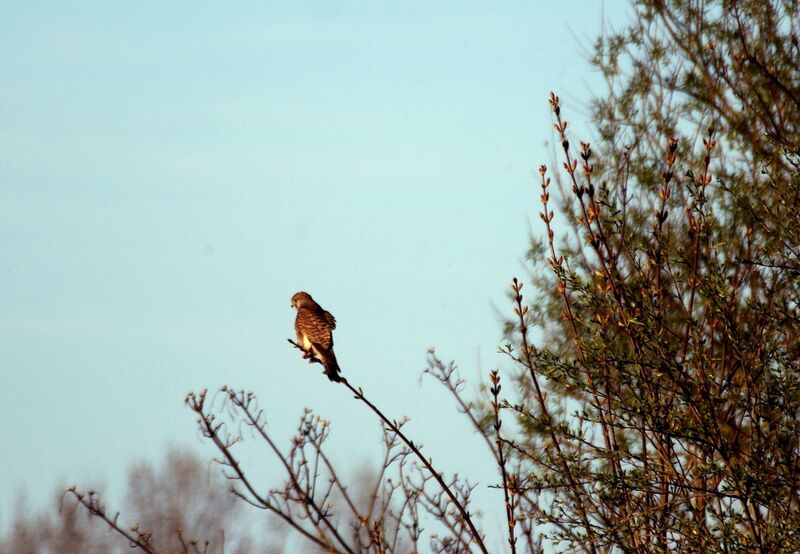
[314, 328]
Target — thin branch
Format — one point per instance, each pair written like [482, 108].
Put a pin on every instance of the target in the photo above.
[359, 395]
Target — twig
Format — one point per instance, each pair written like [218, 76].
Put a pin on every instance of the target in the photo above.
[508, 491]
[359, 394]
[91, 502]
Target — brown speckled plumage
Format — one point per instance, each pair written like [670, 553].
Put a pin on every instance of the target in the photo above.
[314, 327]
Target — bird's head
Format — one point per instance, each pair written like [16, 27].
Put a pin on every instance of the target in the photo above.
[301, 299]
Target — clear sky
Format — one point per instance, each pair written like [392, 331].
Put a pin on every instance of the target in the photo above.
[171, 173]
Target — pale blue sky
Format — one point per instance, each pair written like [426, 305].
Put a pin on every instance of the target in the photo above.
[170, 174]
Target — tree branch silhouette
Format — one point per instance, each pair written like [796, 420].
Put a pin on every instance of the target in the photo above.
[136, 538]
[359, 395]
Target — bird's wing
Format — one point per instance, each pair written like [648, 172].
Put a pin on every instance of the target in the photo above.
[315, 327]
[329, 318]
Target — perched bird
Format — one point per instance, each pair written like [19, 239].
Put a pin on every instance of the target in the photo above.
[314, 327]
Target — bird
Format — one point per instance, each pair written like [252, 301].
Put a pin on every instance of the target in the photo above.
[314, 327]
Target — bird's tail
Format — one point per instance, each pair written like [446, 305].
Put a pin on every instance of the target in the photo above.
[331, 366]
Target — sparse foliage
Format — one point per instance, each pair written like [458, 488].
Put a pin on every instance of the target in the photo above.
[659, 355]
